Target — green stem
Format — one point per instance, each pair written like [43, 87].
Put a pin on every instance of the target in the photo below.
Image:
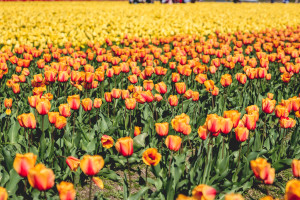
[170, 163]
[90, 189]
[129, 177]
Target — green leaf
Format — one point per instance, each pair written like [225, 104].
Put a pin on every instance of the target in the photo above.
[282, 164]
[139, 194]
[12, 184]
[13, 131]
[139, 141]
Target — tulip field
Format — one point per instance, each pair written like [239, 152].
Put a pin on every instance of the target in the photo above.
[187, 102]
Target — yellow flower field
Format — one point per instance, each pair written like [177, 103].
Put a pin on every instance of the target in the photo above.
[57, 22]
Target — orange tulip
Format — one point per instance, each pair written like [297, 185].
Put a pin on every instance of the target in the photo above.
[295, 103]
[107, 141]
[41, 178]
[125, 146]
[173, 100]
[52, 116]
[234, 197]
[27, 120]
[137, 130]
[91, 165]
[89, 77]
[201, 78]
[158, 97]
[50, 75]
[73, 163]
[43, 106]
[183, 197]
[151, 157]
[108, 97]
[267, 198]
[215, 91]
[268, 105]
[241, 134]
[8, 111]
[130, 103]
[98, 182]
[268, 77]
[188, 94]
[249, 121]
[3, 194]
[296, 168]
[23, 163]
[97, 102]
[8, 103]
[173, 142]
[214, 124]
[204, 192]
[287, 122]
[226, 80]
[180, 87]
[175, 77]
[162, 129]
[281, 111]
[241, 78]
[210, 85]
[87, 104]
[66, 191]
[161, 87]
[270, 96]
[74, 102]
[60, 122]
[262, 170]
[203, 132]
[133, 79]
[64, 110]
[292, 191]
[148, 84]
[63, 76]
[286, 77]
[16, 88]
[234, 115]
[226, 125]
[125, 94]
[116, 93]
[38, 78]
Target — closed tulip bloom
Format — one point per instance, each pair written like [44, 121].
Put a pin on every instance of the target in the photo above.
[296, 168]
[125, 146]
[215, 91]
[234, 197]
[110, 72]
[107, 141]
[286, 77]
[175, 77]
[252, 108]
[151, 157]
[188, 94]
[292, 191]
[41, 178]
[8, 103]
[226, 125]
[125, 94]
[203, 132]
[61, 122]
[262, 170]
[287, 122]
[43, 106]
[161, 87]
[133, 79]
[73, 163]
[3, 194]
[97, 102]
[287, 103]
[249, 121]
[204, 192]
[268, 77]
[50, 75]
[66, 191]
[214, 124]
[91, 165]
[108, 97]
[74, 102]
[8, 111]
[64, 110]
[173, 142]
[226, 80]
[16, 88]
[137, 130]
[116, 93]
[89, 77]
[268, 105]
[180, 87]
[234, 115]
[23, 163]
[148, 84]
[147, 95]
[27, 120]
[201, 78]
[173, 100]
[87, 104]
[295, 103]
[162, 129]
[209, 85]
[130, 103]
[38, 78]
[98, 182]
[158, 97]
[281, 111]
[195, 96]
[270, 96]
[241, 78]
[63, 76]
[241, 134]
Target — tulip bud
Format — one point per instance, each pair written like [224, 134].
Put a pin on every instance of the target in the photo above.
[125, 146]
